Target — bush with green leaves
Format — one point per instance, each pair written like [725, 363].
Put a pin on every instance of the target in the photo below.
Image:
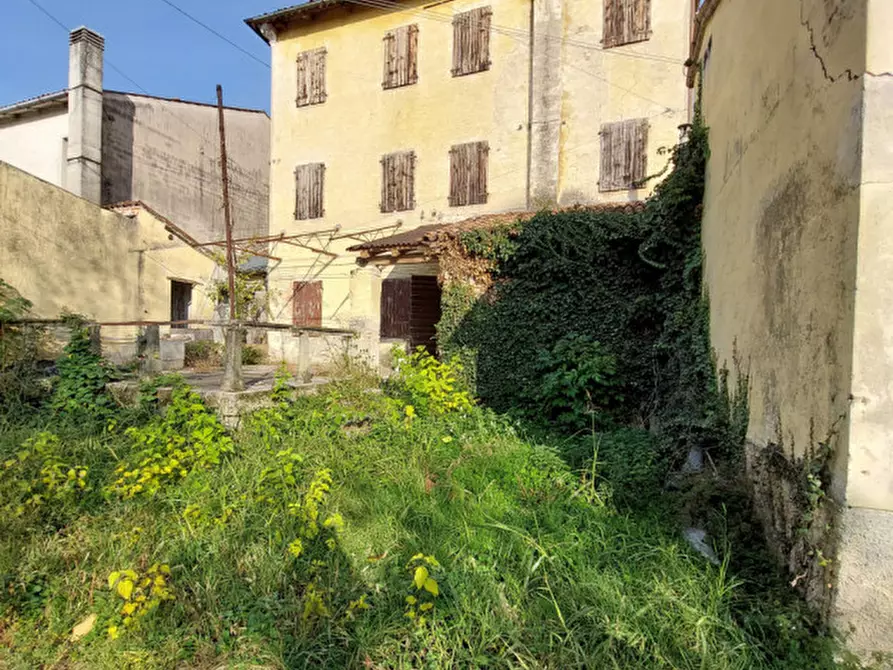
[429, 384]
[20, 387]
[80, 391]
[188, 437]
[579, 387]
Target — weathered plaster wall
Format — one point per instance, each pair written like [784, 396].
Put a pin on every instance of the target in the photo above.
[167, 154]
[642, 80]
[782, 209]
[37, 144]
[62, 252]
[796, 220]
[162, 257]
[865, 598]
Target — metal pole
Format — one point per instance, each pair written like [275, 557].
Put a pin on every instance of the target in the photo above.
[230, 257]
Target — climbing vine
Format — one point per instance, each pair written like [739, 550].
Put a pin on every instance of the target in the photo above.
[595, 313]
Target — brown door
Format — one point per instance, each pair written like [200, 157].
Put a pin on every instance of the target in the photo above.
[181, 298]
[424, 313]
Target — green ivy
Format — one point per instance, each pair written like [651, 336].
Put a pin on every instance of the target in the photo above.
[630, 282]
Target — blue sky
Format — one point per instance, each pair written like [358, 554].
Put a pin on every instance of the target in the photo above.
[153, 44]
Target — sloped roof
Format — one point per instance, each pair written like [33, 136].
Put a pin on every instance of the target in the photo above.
[283, 16]
[36, 104]
[423, 236]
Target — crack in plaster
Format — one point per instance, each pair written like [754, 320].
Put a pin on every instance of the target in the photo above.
[850, 75]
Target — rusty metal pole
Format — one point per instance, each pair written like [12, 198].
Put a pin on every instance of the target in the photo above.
[232, 363]
[230, 256]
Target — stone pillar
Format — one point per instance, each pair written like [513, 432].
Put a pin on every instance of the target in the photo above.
[84, 170]
[365, 313]
[546, 91]
[305, 374]
[95, 334]
[149, 350]
[232, 359]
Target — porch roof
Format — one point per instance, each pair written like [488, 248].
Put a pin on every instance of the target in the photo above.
[424, 237]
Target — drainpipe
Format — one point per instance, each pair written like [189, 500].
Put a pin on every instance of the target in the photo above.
[84, 169]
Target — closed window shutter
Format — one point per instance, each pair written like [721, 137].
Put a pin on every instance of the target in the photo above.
[471, 41]
[398, 181]
[468, 173]
[401, 57]
[303, 95]
[626, 22]
[624, 155]
[396, 300]
[311, 77]
[307, 303]
[309, 191]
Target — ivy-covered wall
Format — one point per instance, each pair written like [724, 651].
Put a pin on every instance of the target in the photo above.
[595, 318]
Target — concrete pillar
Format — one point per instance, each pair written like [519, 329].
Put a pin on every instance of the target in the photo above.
[546, 91]
[232, 359]
[365, 313]
[149, 350]
[84, 177]
[94, 332]
[305, 374]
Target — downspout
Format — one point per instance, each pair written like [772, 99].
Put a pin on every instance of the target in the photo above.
[530, 106]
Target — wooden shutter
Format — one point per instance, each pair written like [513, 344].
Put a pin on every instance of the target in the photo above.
[396, 296]
[468, 173]
[311, 77]
[309, 191]
[471, 41]
[624, 155]
[401, 57]
[425, 313]
[307, 303]
[626, 21]
[398, 181]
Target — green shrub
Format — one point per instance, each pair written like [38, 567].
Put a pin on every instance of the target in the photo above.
[80, 391]
[428, 384]
[578, 386]
[40, 476]
[252, 355]
[169, 448]
[20, 386]
[203, 353]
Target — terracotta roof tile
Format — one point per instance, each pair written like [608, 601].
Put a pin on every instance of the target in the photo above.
[424, 235]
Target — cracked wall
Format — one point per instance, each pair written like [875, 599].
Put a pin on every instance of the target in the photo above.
[797, 216]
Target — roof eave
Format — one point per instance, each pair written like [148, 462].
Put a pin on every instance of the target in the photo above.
[34, 105]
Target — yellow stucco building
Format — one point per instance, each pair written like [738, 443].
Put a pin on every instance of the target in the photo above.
[390, 116]
[797, 218]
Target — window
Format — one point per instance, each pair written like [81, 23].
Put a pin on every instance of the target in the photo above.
[311, 77]
[626, 21]
[624, 155]
[471, 41]
[468, 174]
[396, 306]
[307, 303]
[398, 181]
[309, 186]
[401, 48]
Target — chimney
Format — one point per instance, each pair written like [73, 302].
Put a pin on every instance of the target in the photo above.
[84, 177]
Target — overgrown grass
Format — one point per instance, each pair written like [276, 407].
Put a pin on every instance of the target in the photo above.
[539, 568]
